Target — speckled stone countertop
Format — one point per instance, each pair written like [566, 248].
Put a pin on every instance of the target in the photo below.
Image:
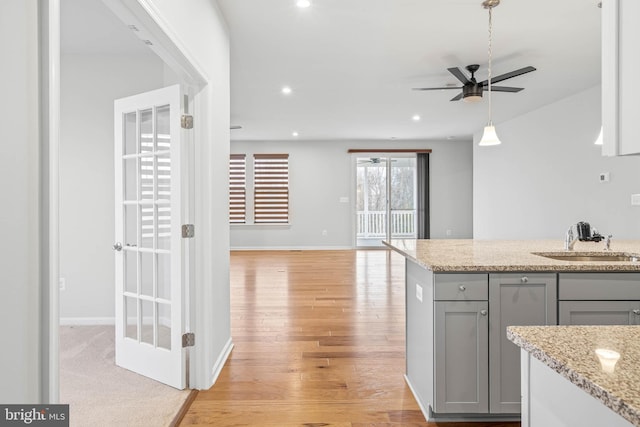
[571, 351]
[450, 255]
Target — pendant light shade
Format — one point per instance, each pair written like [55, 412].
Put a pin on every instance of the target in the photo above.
[489, 136]
[599, 140]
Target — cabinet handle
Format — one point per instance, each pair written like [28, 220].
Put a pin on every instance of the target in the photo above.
[524, 279]
[636, 312]
[462, 288]
[483, 312]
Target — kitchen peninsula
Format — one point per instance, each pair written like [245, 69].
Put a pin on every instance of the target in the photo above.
[461, 295]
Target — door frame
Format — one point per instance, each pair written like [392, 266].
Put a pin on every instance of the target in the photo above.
[142, 14]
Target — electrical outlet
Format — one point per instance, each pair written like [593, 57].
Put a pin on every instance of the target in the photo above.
[62, 284]
[635, 200]
[448, 232]
[324, 232]
[419, 292]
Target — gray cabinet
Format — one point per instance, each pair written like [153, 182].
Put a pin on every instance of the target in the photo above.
[599, 312]
[599, 299]
[620, 65]
[461, 356]
[514, 300]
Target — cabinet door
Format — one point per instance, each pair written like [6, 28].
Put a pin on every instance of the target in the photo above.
[599, 312]
[515, 300]
[461, 357]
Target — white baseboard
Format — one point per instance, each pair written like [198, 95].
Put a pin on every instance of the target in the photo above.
[222, 359]
[87, 321]
[424, 410]
[292, 248]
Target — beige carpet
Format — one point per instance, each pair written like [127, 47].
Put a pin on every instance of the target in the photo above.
[100, 393]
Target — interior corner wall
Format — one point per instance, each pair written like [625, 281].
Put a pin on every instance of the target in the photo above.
[321, 173]
[545, 176]
[89, 85]
[201, 33]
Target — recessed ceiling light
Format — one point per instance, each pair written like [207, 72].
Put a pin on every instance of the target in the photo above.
[303, 3]
[294, 133]
[416, 118]
[286, 90]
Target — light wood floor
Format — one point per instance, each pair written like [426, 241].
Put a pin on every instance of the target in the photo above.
[319, 341]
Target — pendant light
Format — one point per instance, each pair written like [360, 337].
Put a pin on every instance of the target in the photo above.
[489, 136]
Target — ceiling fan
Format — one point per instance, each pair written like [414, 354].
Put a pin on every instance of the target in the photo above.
[472, 90]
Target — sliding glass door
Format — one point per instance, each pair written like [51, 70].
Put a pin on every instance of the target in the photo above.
[385, 198]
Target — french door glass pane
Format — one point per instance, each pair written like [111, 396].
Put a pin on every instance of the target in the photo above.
[163, 177]
[163, 135]
[131, 225]
[164, 326]
[147, 331]
[130, 141]
[146, 131]
[146, 273]
[131, 317]
[146, 178]
[131, 271]
[164, 276]
[130, 179]
[147, 226]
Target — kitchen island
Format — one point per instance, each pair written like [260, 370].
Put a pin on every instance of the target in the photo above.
[462, 294]
[579, 375]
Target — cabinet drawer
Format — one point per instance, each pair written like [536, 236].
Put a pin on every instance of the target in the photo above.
[599, 286]
[451, 287]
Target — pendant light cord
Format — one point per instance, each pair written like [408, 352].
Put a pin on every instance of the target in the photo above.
[490, 52]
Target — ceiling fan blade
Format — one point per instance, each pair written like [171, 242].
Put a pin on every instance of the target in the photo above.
[436, 88]
[502, 88]
[509, 75]
[457, 72]
[458, 97]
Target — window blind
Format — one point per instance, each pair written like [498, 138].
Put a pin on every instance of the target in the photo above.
[237, 189]
[271, 188]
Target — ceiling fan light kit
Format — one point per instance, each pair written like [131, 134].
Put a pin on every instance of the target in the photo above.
[489, 136]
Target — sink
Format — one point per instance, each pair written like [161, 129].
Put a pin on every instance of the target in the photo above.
[590, 256]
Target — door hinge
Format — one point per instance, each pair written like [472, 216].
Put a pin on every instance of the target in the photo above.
[188, 231]
[188, 339]
[186, 121]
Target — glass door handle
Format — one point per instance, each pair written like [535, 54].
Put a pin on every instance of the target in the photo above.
[117, 246]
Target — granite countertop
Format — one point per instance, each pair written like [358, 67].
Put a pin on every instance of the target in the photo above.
[449, 255]
[571, 351]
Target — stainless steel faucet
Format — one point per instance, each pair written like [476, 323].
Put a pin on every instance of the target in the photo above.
[570, 238]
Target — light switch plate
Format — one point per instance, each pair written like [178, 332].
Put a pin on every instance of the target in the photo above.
[635, 200]
[604, 177]
[419, 292]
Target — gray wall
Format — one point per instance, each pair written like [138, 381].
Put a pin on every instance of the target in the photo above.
[89, 85]
[545, 176]
[321, 172]
[20, 309]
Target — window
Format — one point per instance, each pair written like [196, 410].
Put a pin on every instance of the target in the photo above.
[271, 188]
[269, 184]
[237, 189]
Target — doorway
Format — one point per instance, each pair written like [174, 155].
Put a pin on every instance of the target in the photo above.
[386, 198]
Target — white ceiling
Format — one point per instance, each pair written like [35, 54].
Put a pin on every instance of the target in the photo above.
[352, 63]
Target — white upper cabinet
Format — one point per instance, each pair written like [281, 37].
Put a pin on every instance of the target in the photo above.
[620, 68]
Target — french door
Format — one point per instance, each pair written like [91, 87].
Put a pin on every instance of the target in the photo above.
[149, 249]
[385, 198]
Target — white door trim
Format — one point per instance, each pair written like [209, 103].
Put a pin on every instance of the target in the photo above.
[182, 63]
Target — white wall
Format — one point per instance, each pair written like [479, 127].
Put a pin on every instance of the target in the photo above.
[321, 173]
[545, 176]
[201, 32]
[89, 85]
[20, 263]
